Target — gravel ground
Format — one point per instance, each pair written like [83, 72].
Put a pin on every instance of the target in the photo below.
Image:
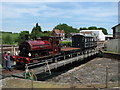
[92, 72]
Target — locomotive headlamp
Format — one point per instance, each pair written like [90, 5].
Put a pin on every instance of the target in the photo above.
[29, 54]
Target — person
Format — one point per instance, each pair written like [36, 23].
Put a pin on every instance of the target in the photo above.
[5, 57]
[8, 62]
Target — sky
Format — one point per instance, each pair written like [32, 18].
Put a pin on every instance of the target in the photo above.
[22, 16]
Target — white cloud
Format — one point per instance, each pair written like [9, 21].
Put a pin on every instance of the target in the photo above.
[60, 0]
[77, 15]
[43, 10]
[14, 12]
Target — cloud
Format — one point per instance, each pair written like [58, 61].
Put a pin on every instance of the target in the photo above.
[55, 13]
[60, 0]
[44, 10]
[17, 12]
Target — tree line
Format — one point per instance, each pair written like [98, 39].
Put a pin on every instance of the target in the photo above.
[95, 28]
[16, 38]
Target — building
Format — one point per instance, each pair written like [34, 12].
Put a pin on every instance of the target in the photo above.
[116, 31]
[88, 33]
[58, 33]
[108, 37]
[100, 35]
[114, 44]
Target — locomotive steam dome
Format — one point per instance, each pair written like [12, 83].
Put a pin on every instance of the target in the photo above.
[33, 45]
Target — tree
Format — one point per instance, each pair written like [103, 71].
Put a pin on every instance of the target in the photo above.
[7, 39]
[103, 30]
[47, 33]
[24, 35]
[37, 28]
[92, 28]
[66, 28]
[36, 31]
[15, 38]
[95, 28]
[84, 28]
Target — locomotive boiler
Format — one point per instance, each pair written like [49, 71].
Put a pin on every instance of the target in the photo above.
[34, 48]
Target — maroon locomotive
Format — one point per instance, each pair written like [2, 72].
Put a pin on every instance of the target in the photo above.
[33, 50]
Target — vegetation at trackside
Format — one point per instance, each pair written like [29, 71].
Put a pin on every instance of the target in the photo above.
[10, 38]
[21, 83]
[112, 52]
[16, 38]
[66, 43]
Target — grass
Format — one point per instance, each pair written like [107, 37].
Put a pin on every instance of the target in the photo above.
[110, 52]
[21, 83]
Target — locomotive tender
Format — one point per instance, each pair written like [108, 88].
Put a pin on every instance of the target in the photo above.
[31, 51]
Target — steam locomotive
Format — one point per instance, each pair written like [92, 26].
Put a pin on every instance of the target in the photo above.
[34, 50]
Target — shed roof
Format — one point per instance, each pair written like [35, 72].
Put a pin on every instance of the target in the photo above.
[116, 26]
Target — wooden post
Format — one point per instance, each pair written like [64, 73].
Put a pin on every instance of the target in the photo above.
[14, 51]
[71, 55]
[77, 56]
[106, 77]
[89, 53]
[45, 67]
[56, 63]
[32, 81]
[64, 56]
[72, 81]
[26, 68]
[48, 67]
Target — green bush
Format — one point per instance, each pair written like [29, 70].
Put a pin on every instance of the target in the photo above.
[67, 43]
[10, 38]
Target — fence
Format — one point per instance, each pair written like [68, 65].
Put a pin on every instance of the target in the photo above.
[113, 45]
[5, 48]
[12, 49]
